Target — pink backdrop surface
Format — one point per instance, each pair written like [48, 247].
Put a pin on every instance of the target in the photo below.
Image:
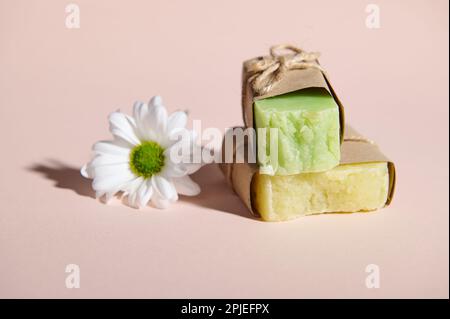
[57, 85]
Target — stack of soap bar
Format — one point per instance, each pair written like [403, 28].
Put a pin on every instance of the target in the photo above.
[345, 188]
[308, 128]
[363, 181]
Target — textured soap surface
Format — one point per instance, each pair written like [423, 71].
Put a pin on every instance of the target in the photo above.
[308, 132]
[346, 188]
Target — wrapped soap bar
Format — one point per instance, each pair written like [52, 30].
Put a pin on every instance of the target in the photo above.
[345, 188]
[363, 181]
[291, 94]
[307, 123]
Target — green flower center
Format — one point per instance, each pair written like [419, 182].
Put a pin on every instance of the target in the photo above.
[147, 159]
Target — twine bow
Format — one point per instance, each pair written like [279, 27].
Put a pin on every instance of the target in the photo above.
[267, 71]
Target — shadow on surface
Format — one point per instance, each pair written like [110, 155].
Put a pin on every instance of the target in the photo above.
[64, 176]
[216, 194]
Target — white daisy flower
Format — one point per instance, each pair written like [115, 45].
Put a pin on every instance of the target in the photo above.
[137, 161]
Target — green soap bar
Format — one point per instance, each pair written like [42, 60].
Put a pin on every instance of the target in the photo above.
[346, 188]
[308, 132]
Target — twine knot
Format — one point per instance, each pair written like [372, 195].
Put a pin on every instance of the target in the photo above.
[267, 71]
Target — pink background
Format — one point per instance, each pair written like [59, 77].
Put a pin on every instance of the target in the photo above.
[57, 86]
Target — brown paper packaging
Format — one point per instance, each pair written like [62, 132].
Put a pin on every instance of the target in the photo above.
[355, 149]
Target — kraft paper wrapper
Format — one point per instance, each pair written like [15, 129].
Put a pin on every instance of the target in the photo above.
[293, 80]
[355, 149]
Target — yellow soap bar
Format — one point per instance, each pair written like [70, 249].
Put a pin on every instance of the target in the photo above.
[346, 188]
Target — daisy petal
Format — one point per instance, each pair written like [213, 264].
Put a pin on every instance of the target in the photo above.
[176, 120]
[163, 187]
[106, 159]
[109, 196]
[86, 172]
[131, 191]
[123, 127]
[140, 111]
[157, 120]
[172, 169]
[111, 193]
[112, 169]
[186, 186]
[156, 100]
[110, 147]
[192, 168]
[111, 181]
[144, 193]
[99, 194]
[121, 142]
[132, 186]
[159, 202]
[132, 199]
